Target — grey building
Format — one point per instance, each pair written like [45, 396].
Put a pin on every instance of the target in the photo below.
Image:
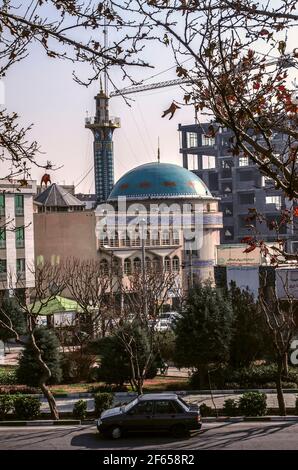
[236, 180]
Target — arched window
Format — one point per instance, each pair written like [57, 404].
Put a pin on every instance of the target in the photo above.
[127, 266]
[165, 238]
[167, 264]
[176, 238]
[176, 264]
[156, 264]
[104, 266]
[137, 264]
[114, 239]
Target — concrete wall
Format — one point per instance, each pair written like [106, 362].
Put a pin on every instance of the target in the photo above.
[61, 235]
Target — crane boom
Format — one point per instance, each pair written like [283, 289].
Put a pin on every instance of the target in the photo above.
[284, 61]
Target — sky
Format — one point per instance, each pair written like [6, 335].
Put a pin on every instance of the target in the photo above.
[43, 93]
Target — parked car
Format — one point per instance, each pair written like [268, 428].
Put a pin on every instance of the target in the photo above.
[151, 412]
[166, 321]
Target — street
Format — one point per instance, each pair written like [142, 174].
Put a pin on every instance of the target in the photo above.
[220, 436]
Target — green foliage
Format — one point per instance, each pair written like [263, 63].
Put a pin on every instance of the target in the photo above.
[29, 371]
[165, 341]
[253, 404]
[250, 339]
[115, 365]
[26, 407]
[230, 407]
[17, 318]
[6, 405]
[8, 377]
[205, 410]
[102, 401]
[80, 409]
[204, 330]
[77, 366]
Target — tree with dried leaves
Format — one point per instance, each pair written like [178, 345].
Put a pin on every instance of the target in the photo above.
[31, 302]
[281, 317]
[71, 30]
[142, 298]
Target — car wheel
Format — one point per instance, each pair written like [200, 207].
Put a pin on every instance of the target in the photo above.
[178, 430]
[116, 432]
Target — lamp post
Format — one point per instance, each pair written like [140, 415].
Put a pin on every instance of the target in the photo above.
[143, 224]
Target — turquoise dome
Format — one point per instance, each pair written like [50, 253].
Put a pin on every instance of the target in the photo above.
[159, 180]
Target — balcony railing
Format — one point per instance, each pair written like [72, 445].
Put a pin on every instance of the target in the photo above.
[112, 121]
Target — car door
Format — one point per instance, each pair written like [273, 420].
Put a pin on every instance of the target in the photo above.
[139, 418]
[165, 414]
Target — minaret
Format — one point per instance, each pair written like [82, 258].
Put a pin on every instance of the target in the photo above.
[103, 126]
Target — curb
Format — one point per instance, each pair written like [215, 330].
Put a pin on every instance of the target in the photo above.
[241, 419]
[60, 422]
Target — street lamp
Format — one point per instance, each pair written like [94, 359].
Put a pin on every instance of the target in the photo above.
[143, 224]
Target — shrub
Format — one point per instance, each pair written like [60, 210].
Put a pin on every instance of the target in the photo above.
[296, 405]
[205, 410]
[230, 407]
[8, 377]
[80, 409]
[26, 407]
[77, 367]
[29, 371]
[102, 401]
[6, 405]
[253, 404]
[13, 389]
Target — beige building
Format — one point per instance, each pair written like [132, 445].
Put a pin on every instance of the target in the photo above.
[62, 227]
[16, 234]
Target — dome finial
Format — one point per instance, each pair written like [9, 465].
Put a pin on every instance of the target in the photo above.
[158, 151]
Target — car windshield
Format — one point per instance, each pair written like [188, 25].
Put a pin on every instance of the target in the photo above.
[130, 405]
[184, 402]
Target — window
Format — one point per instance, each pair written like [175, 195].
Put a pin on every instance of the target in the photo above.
[21, 267]
[143, 408]
[227, 189]
[274, 200]
[137, 264]
[213, 181]
[228, 163]
[208, 141]
[2, 238]
[243, 222]
[192, 162]
[208, 162]
[243, 161]
[247, 198]
[20, 237]
[148, 262]
[165, 237]
[176, 238]
[176, 264]
[227, 210]
[104, 266]
[156, 264]
[164, 407]
[3, 268]
[167, 264]
[2, 204]
[192, 139]
[127, 266]
[229, 233]
[19, 204]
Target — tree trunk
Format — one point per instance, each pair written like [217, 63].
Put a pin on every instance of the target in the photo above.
[203, 376]
[280, 395]
[285, 365]
[51, 401]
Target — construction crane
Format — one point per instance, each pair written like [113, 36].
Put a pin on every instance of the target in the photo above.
[284, 61]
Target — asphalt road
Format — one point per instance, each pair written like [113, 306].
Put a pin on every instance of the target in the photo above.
[250, 436]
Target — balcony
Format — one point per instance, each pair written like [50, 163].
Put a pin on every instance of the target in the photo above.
[95, 122]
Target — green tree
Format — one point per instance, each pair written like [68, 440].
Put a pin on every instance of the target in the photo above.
[29, 371]
[250, 340]
[204, 331]
[123, 353]
[10, 312]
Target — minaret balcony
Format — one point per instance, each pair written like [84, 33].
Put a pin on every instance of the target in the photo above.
[93, 122]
